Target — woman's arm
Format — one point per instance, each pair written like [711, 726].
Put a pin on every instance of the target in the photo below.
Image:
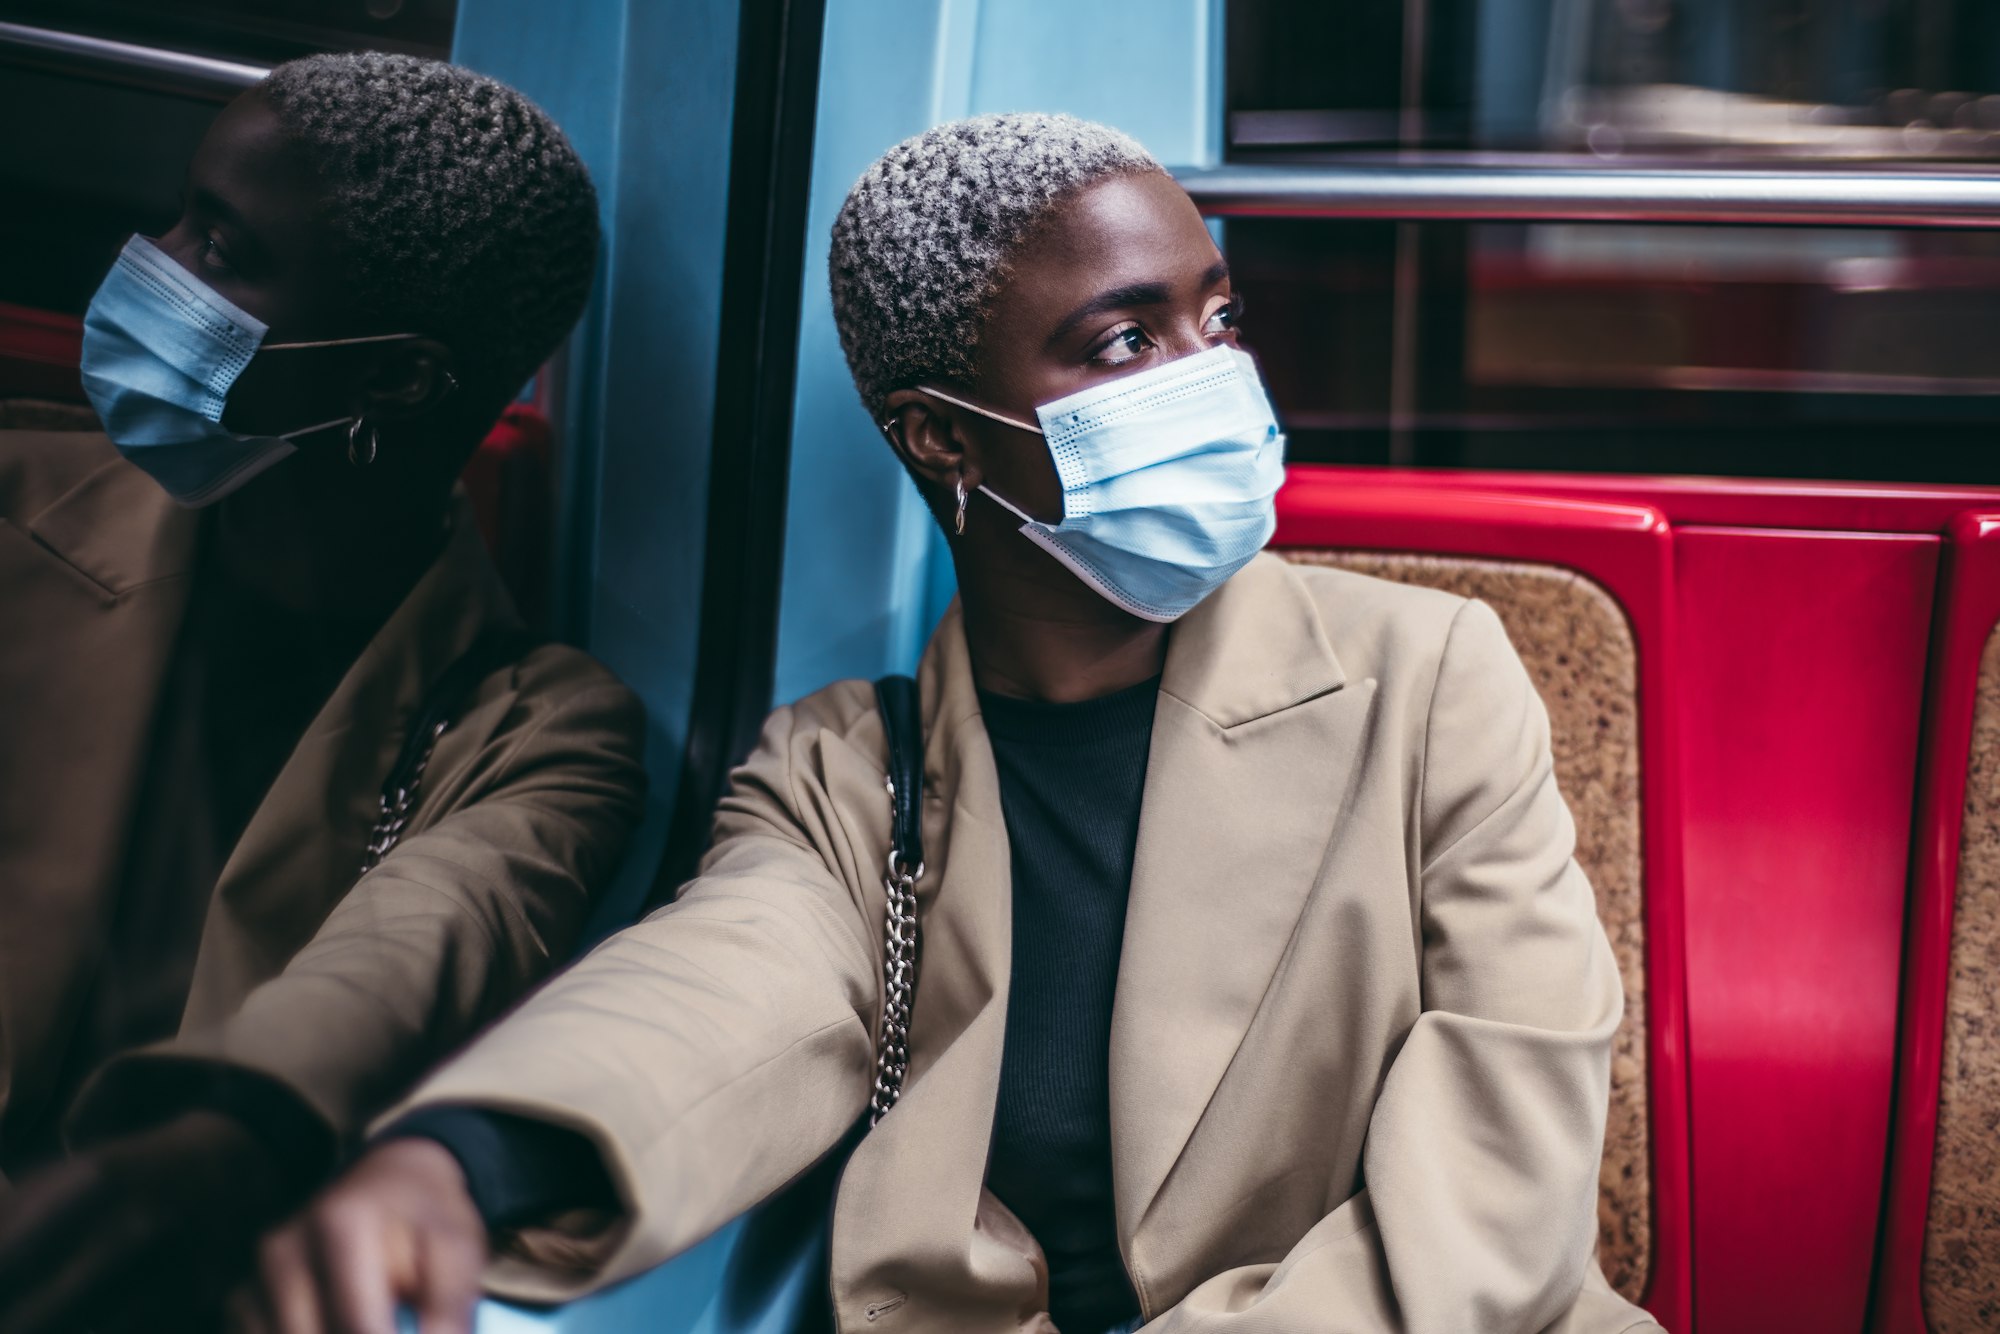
[455, 924]
[1482, 1154]
[709, 1054]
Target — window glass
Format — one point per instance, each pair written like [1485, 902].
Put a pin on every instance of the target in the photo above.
[107, 154]
[1747, 79]
[1763, 351]
[1837, 353]
[255, 31]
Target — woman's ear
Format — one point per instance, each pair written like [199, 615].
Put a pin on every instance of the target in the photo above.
[927, 433]
[407, 379]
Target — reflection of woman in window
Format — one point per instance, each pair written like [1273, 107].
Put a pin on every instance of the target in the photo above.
[1259, 989]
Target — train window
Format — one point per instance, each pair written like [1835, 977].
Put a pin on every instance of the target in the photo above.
[1837, 353]
[259, 31]
[116, 124]
[1610, 78]
[1859, 352]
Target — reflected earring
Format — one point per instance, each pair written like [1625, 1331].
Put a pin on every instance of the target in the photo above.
[959, 490]
[355, 454]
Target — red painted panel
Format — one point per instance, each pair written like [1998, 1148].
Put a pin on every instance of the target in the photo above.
[1886, 507]
[1802, 667]
[39, 351]
[1968, 608]
[1628, 549]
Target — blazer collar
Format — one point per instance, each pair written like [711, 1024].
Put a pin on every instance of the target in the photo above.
[1255, 647]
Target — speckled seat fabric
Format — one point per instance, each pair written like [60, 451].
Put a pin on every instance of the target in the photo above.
[1579, 649]
[1962, 1230]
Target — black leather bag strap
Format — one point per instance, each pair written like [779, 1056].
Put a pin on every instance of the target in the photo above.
[897, 698]
[446, 700]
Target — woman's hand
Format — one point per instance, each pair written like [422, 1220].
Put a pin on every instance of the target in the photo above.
[137, 1233]
[398, 1230]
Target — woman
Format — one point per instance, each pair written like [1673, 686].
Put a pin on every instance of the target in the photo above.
[1259, 991]
[224, 618]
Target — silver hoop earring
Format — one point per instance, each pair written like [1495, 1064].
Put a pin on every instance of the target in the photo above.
[355, 454]
[959, 489]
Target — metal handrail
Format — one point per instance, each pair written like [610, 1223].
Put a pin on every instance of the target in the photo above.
[178, 72]
[1599, 193]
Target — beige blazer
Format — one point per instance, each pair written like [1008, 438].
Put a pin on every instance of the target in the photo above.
[344, 990]
[1361, 1042]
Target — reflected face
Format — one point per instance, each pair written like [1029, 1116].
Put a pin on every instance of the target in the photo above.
[253, 227]
[1123, 278]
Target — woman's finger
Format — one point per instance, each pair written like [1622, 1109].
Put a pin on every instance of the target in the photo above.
[351, 1260]
[449, 1265]
[290, 1287]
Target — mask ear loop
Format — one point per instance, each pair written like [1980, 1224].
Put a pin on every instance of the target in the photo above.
[988, 413]
[336, 342]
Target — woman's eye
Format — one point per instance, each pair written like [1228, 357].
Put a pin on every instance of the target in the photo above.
[1225, 319]
[1123, 346]
[214, 254]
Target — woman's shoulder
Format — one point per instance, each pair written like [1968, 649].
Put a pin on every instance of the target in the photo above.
[1402, 632]
[843, 708]
[1353, 605]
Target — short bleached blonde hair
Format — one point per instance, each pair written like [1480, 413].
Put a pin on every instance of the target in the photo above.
[922, 243]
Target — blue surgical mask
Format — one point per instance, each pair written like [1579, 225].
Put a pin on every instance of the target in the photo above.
[1169, 480]
[161, 350]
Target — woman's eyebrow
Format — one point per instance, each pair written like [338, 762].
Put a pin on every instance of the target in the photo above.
[1115, 298]
[215, 206]
[250, 248]
[1134, 294]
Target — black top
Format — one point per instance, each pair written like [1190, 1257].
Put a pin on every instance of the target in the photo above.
[1071, 781]
[1072, 778]
[517, 1170]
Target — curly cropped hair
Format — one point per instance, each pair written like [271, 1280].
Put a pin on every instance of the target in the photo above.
[463, 212]
[922, 243]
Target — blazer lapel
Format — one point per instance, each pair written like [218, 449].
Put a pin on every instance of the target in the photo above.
[97, 588]
[1252, 754]
[301, 851]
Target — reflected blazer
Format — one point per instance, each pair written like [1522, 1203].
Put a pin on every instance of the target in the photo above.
[1360, 1051]
[344, 989]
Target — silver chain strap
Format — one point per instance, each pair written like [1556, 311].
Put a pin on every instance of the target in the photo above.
[899, 979]
[395, 809]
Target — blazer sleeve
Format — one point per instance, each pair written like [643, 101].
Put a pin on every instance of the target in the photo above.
[1481, 1163]
[712, 1052]
[453, 925]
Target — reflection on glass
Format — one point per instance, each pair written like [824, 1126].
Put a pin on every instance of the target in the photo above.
[258, 31]
[1700, 308]
[1753, 79]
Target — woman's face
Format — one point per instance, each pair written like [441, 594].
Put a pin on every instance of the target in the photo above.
[1123, 278]
[252, 228]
